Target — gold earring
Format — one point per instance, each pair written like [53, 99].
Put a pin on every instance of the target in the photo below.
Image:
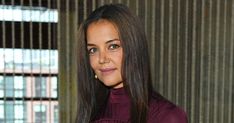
[95, 76]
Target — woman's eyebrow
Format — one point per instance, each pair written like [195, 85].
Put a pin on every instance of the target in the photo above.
[91, 44]
[108, 41]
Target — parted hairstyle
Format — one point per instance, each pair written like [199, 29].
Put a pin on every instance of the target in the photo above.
[92, 94]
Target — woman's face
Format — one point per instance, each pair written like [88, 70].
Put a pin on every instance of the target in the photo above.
[105, 52]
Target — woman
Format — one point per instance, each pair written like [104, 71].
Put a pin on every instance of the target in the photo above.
[114, 82]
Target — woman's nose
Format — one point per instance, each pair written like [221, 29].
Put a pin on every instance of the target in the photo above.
[103, 57]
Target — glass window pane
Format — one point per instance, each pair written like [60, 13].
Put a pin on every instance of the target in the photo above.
[40, 86]
[18, 82]
[40, 113]
[9, 110]
[19, 121]
[1, 82]
[9, 84]
[54, 88]
[1, 86]
[19, 86]
[56, 114]
[1, 93]
[19, 110]
[1, 111]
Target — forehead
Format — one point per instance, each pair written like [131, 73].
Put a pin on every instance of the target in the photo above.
[101, 30]
[101, 22]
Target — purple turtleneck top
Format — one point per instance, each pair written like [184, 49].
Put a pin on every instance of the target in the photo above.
[160, 110]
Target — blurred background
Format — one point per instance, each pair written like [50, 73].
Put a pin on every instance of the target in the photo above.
[191, 49]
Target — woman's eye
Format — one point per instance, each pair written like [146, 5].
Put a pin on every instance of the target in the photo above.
[92, 50]
[114, 46]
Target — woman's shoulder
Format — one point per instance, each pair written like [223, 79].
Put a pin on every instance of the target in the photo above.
[164, 111]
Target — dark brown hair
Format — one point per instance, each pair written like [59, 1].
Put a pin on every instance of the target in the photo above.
[135, 65]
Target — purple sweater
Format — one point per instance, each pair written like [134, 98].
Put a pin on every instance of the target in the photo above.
[160, 110]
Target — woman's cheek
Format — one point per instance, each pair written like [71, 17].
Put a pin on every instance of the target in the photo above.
[93, 62]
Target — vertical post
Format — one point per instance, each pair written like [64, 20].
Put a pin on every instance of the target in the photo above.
[67, 26]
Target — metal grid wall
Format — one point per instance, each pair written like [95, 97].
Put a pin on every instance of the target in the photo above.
[28, 61]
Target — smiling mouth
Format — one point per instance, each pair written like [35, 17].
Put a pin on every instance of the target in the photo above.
[107, 70]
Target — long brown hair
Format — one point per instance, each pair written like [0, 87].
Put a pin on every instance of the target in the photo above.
[135, 65]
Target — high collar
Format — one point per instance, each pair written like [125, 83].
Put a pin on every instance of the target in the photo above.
[118, 95]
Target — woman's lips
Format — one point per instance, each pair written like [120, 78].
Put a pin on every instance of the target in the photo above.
[106, 71]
